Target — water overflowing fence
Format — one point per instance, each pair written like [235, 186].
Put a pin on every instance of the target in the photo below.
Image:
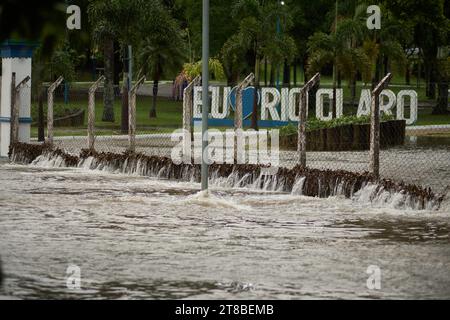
[330, 156]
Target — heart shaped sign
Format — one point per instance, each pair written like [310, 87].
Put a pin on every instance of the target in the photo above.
[248, 97]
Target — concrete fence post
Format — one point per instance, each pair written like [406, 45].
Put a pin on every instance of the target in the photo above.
[14, 111]
[238, 115]
[302, 115]
[375, 126]
[132, 115]
[188, 106]
[50, 98]
[15, 103]
[91, 112]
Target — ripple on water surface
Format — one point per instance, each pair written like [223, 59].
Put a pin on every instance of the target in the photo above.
[135, 237]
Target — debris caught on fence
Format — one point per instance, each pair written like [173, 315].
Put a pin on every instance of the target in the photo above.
[303, 181]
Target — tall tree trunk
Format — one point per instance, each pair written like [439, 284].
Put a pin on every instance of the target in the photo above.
[304, 67]
[353, 90]
[108, 91]
[286, 74]
[265, 72]
[408, 75]
[124, 122]
[295, 72]
[386, 66]
[334, 101]
[419, 73]
[441, 106]
[272, 75]
[432, 83]
[255, 97]
[377, 74]
[116, 70]
[152, 113]
[41, 133]
[430, 73]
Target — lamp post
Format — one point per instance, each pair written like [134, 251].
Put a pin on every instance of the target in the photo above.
[280, 3]
[205, 93]
[335, 71]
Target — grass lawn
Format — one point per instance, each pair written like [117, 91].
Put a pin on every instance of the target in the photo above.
[169, 117]
[169, 114]
[426, 118]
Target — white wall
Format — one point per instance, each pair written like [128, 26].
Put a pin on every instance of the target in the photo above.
[22, 68]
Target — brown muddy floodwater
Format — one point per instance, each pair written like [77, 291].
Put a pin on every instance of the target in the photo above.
[135, 237]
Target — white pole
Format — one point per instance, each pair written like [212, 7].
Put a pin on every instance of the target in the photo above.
[205, 93]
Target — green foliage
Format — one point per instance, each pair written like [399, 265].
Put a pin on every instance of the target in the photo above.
[59, 111]
[193, 70]
[263, 33]
[339, 48]
[162, 50]
[119, 19]
[63, 63]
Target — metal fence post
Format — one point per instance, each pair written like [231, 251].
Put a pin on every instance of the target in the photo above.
[375, 126]
[91, 113]
[303, 107]
[238, 126]
[50, 99]
[132, 115]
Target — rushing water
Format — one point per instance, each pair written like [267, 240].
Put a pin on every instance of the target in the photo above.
[138, 237]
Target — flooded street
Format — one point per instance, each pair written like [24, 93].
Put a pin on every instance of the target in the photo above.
[138, 237]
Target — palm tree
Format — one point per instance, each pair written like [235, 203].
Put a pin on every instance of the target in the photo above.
[116, 20]
[232, 57]
[162, 51]
[258, 36]
[338, 49]
[441, 106]
[383, 47]
[104, 35]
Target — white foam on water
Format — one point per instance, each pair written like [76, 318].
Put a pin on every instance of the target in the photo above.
[370, 195]
[48, 161]
[379, 197]
[445, 205]
[297, 188]
[207, 199]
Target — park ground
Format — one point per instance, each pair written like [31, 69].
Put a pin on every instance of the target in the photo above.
[169, 112]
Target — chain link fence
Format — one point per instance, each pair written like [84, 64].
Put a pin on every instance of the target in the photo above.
[337, 132]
